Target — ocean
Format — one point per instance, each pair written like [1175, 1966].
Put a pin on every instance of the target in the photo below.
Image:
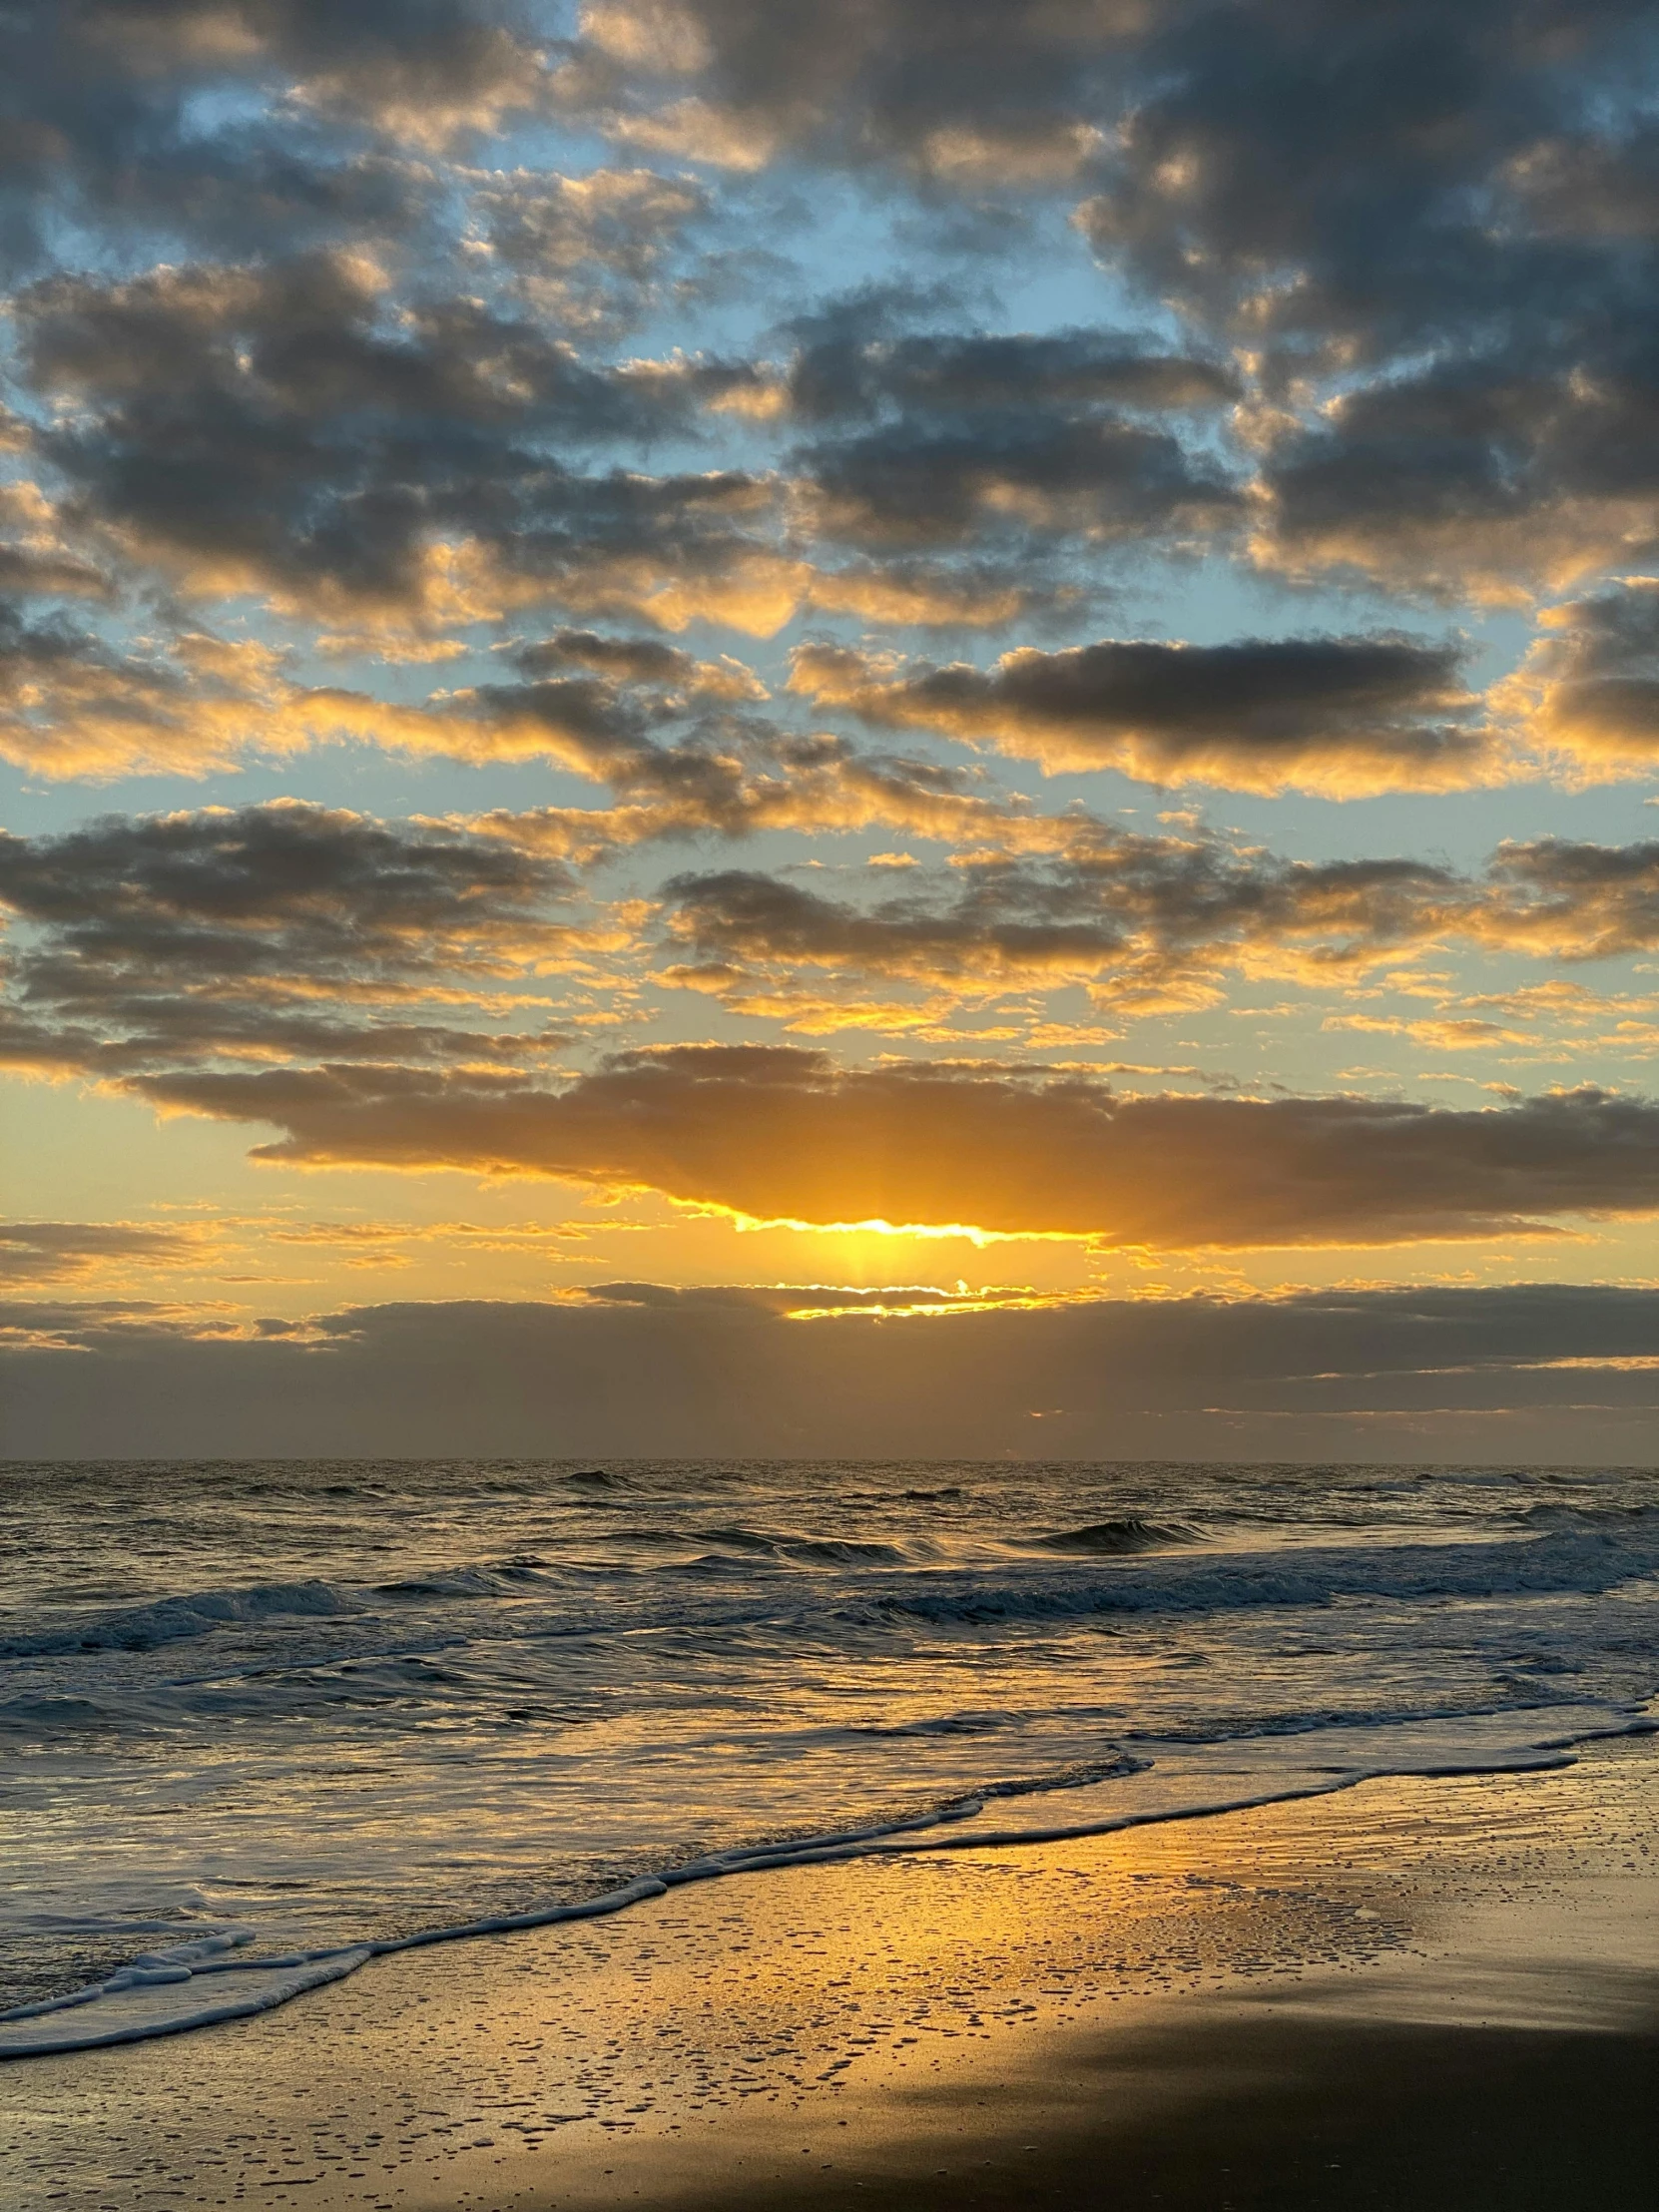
[261, 1721]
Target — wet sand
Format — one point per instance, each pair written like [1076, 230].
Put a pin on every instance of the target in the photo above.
[1414, 1994]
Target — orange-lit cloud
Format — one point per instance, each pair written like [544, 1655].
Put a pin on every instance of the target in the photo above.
[780, 1133]
[1588, 692]
[58, 1250]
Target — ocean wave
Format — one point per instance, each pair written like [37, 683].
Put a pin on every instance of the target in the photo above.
[746, 1551]
[941, 1724]
[824, 1552]
[492, 1578]
[1129, 1534]
[905, 1581]
[48, 1715]
[171, 1621]
[1587, 1563]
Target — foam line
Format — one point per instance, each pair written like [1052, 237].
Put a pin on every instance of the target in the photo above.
[292, 1975]
[1004, 1839]
[42, 2042]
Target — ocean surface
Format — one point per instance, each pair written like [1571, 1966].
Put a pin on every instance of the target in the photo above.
[260, 1720]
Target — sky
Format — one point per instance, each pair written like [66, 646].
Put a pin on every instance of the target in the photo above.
[916, 727]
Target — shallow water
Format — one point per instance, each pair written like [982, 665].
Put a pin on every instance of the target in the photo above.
[264, 1712]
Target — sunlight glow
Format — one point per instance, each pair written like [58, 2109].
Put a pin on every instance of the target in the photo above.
[749, 1224]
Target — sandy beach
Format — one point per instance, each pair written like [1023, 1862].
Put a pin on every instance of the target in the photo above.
[1414, 1993]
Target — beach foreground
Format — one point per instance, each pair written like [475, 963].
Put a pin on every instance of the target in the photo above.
[1419, 1994]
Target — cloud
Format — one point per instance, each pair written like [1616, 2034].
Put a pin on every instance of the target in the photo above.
[809, 1301]
[288, 933]
[1342, 716]
[74, 703]
[274, 931]
[591, 253]
[229, 117]
[317, 358]
[1153, 922]
[278, 428]
[1571, 901]
[850, 364]
[965, 93]
[56, 1251]
[743, 777]
[1022, 474]
[36, 558]
[1588, 692]
[1411, 254]
[1427, 1373]
[350, 894]
[1592, 186]
[307, 431]
[1337, 187]
[1494, 474]
[1431, 234]
[778, 1133]
[1146, 922]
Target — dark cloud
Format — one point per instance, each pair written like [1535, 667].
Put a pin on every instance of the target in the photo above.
[1150, 922]
[35, 558]
[777, 1133]
[1142, 919]
[1601, 187]
[289, 933]
[628, 710]
[290, 429]
[843, 372]
[298, 323]
[285, 930]
[594, 253]
[966, 91]
[51, 1251]
[1419, 246]
[965, 443]
[1021, 472]
[739, 916]
[1574, 902]
[1491, 472]
[349, 893]
[52, 1048]
[1445, 214]
[242, 118]
[739, 776]
[1535, 1373]
[1346, 184]
[1341, 716]
[634, 660]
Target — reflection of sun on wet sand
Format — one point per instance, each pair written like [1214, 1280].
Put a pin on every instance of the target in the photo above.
[1414, 1994]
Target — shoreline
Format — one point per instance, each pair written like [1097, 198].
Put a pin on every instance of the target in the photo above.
[1392, 1965]
[210, 1982]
